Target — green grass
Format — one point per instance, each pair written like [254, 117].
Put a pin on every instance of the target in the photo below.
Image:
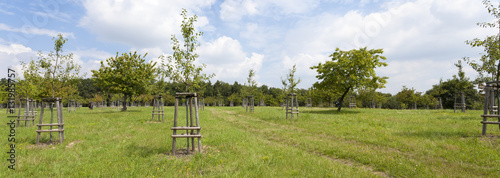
[321, 143]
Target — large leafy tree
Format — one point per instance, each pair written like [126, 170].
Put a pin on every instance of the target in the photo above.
[180, 66]
[87, 88]
[349, 70]
[30, 86]
[3, 91]
[408, 97]
[447, 90]
[489, 62]
[127, 74]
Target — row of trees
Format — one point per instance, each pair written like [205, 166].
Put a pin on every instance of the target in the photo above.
[406, 98]
[348, 73]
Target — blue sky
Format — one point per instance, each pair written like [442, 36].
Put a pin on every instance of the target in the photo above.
[422, 39]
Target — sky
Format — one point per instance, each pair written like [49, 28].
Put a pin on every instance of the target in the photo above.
[422, 39]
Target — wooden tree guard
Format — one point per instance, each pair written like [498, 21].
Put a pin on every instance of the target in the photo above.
[158, 108]
[352, 102]
[29, 113]
[460, 104]
[331, 104]
[189, 121]
[250, 104]
[231, 104]
[262, 102]
[490, 107]
[71, 105]
[292, 106]
[320, 104]
[244, 102]
[309, 103]
[59, 123]
[220, 103]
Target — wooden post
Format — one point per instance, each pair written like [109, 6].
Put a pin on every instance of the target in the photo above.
[191, 120]
[296, 106]
[463, 102]
[40, 122]
[197, 125]
[486, 107]
[60, 121]
[187, 123]
[175, 123]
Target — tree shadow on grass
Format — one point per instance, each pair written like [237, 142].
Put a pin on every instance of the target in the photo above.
[331, 112]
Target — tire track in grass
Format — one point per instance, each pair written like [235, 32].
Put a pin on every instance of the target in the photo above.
[272, 139]
[380, 150]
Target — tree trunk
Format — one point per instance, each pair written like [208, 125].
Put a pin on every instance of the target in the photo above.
[341, 102]
[124, 103]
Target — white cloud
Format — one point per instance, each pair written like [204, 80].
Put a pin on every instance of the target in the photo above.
[11, 56]
[63, 17]
[261, 36]
[303, 63]
[421, 39]
[90, 59]
[234, 10]
[31, 30]
[419, 74]
[225, 57]
[141, 24]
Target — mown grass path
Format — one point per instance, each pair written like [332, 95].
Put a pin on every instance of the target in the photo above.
[321, 143]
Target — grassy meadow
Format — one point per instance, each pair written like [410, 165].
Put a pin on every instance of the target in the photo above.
[321, 143]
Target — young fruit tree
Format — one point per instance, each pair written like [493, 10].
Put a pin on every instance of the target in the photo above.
[349, 70]
[489, 62]
[250, 86]
[180, 66]
[57, 74]
[290, 82]
[127, 74]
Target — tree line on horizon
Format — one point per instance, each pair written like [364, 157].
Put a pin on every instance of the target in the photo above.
[349, 74]
[407, 98]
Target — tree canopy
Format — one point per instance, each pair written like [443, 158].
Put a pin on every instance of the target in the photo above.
[489, 62]
[290, 82]
[350, 70]
[57, 74]
[127, 74]
[251, 84]
[180, 66]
